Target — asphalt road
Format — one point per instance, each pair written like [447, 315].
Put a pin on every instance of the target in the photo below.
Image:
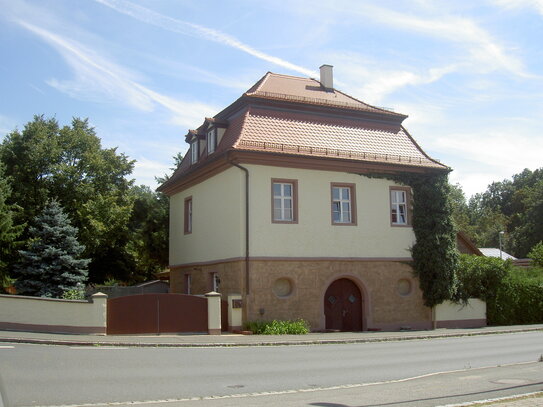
[62, 375]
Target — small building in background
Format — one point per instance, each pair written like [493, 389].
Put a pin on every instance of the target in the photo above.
[493, 252]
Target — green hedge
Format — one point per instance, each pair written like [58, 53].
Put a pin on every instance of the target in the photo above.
[514, 296]
[298, 327]
[479, 277]
[517, 301]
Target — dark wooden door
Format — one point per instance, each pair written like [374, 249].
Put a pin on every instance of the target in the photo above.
[343, 306]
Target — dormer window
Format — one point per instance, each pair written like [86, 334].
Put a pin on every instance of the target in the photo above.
[211, 140]
[194, 151]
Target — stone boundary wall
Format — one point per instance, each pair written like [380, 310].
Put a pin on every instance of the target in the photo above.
[38, 314]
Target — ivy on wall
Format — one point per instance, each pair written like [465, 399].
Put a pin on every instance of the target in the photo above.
[434, 254]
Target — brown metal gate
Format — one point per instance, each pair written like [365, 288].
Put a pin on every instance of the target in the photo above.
[156, 313]
[224, 315]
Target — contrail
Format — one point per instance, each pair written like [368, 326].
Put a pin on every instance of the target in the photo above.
[182, 27]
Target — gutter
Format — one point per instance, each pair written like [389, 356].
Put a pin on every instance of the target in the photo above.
[246, 171]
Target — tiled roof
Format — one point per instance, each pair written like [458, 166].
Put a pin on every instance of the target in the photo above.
[356, 131]
[312, 135]
[309, 91]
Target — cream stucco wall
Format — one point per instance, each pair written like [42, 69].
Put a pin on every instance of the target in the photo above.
[43, 314]
[314, 235]
[449, 311]
[218, 219]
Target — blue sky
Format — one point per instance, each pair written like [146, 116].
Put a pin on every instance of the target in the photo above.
[469, 74]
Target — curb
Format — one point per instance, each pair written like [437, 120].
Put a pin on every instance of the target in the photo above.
[510, 400]
[277, 342]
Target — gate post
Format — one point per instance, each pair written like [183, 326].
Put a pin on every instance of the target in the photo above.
[234, 312]
[99, 309]
[213, 313]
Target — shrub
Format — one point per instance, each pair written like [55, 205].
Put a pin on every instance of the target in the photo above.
[518, 300]
[297, 327]
[536, 254]
[479, 277]
[77, 293]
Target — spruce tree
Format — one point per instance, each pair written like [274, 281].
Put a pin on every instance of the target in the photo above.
[51, 265]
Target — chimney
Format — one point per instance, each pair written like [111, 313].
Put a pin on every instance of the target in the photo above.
[327, 77]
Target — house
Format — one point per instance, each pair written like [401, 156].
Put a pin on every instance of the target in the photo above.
[496, 252]
[465, 245]
[281, 199]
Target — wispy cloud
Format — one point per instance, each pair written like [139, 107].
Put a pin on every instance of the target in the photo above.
[536, 4]
[167, 67]
[7, 125]
[145, 171]
[98, 78]
[482, 156]
[384, 83]
[186, 28]
[372, 82]
[495, 148]
[485, 52]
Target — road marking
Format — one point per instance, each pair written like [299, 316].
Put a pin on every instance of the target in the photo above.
[99, 347]
[280, 392]
[7, 347]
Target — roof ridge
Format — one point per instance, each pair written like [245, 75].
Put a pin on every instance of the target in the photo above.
[257, 84]
[242, 127]
[372, 106]
[291, 76]
[262, 81]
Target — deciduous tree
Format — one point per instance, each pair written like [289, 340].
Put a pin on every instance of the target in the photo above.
[46, 161]
[9, 229]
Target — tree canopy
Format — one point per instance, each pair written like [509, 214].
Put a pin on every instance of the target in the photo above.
[46, 161]
[514, 206]
[9, 229]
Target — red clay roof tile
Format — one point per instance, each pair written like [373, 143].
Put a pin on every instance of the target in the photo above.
[312, 135]
[310, 91]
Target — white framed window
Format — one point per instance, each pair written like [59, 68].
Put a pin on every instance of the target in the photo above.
[343, 204]
[211, 141]
[284, 201]
[399, 207]
[194, 153]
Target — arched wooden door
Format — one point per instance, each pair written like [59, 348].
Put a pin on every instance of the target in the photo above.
[343, 306]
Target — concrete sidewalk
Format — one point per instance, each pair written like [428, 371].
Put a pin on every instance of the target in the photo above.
[527, 400]
[228, 339]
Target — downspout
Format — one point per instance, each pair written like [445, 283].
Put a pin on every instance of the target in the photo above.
[246, 223]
